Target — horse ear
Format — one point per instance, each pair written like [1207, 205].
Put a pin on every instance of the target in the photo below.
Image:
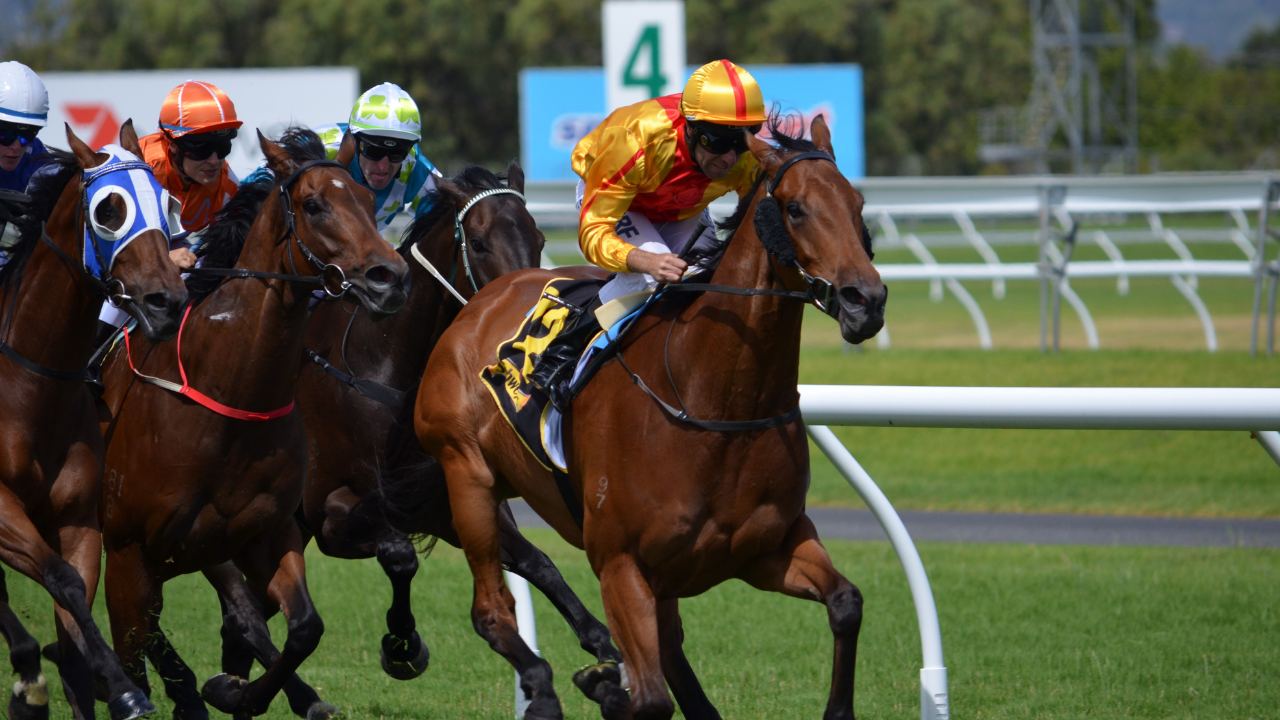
[821, 135]
[85, 157]
[451, 191]
[278, 159]
[129, 138]
[767, 155]
[347, 150]
[515, 177]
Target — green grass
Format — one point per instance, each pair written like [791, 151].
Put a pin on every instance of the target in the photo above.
[1044, 632]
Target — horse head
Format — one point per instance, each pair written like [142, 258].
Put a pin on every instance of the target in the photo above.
[492, 232]
[129, 220]
[810, 220]
[333, 231]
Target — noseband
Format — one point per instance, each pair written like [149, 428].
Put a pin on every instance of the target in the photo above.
[460, 245]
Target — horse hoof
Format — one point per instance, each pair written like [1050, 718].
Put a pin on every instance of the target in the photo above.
[50, 652]
[543, 709]
[30, 701]
[588, 679]
[130, 705]
[225, 692]
[401, 660]
[321, 710]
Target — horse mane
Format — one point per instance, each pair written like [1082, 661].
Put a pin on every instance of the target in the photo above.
[46, 188]
[472, 177]
[225, 237]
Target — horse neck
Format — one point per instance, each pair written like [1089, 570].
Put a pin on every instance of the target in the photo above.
[755, 340]
[53, 302]
[244, 340]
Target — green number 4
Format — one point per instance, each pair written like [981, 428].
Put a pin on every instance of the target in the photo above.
[655, 81]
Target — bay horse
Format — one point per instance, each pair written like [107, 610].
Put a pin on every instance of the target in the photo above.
[189, 488]
[360, 441]
[679, 501]
[50, 446]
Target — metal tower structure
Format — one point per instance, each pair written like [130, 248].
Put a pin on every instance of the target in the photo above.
[1083, 106]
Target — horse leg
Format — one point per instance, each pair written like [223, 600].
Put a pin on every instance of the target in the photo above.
[245, 637]
[632, 611]
[22, 548]
[275, 568]
[675, 666]
[179, 682]
[530, 563]
[802, 568]
[404, 655]
[30, 699]
[475, 515]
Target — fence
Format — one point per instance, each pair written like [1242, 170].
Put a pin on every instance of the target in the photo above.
[1051, 201]
[1247, 409]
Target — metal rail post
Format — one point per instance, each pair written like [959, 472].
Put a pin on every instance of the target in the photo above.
[1050, 196]
[527, 626]
[1269, 196]
[934, 701]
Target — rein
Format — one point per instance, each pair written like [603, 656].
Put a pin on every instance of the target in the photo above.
[384, 394]
[811, 295]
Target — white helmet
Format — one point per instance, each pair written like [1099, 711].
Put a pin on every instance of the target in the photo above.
[386, 111]
[23, 97]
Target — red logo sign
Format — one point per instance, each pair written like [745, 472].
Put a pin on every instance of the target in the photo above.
[94, 120]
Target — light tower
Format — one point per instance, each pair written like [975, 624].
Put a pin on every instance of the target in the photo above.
[1084, 91]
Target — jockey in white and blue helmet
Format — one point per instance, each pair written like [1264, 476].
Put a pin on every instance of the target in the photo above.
[24, 109]
[386, 127]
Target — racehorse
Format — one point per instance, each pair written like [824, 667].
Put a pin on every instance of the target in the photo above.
[352, 396]
[192, 485]
[681, 496]
[50, 445]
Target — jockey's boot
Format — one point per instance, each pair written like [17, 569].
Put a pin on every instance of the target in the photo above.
[556, 364]
[93, 373]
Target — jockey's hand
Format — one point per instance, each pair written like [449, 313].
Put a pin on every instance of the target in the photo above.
[183, 258]
[664, 267]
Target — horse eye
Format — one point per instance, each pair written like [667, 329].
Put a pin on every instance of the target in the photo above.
[794, 211]
[311, 206]
[478, 245]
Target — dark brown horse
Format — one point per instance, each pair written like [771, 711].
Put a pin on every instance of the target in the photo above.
[675, 508]
[363, 447]
[50, 445]
[188, 488]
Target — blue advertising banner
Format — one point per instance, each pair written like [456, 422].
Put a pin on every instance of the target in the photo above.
[559, 106]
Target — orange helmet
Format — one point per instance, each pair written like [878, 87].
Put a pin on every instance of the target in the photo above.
[723, 93]
[197, 107]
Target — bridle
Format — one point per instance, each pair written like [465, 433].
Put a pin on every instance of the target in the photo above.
[290, 237]
[460, 245]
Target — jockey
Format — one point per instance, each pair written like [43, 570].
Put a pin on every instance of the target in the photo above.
[188, 154]
[386, 127]
[650, 170]
[24, 109]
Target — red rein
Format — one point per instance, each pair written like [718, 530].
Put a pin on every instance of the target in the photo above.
[196, 395]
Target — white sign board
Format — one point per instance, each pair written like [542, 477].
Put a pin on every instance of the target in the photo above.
[644, 50]
[96, 103]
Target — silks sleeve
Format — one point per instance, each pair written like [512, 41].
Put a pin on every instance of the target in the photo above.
[612, 182]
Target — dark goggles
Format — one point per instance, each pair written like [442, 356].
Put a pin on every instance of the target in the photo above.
[720, 139]
[376, 148]
[200, 146]
[25, 134]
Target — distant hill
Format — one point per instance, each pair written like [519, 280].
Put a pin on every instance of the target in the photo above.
[1218, 26]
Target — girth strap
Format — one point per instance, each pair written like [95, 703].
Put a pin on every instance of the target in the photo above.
[35, 367]
[570, 498]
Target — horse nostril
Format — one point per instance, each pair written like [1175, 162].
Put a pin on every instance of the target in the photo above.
[851, 296]
[156, 301]
[380, 275]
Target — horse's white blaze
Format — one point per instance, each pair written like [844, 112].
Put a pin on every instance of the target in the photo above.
[338, 183]
[36, 693]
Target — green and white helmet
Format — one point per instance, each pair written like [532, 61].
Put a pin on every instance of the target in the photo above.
[386, 111]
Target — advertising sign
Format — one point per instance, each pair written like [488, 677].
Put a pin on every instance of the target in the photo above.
[559, 106]
[643, 50]
[96, 103]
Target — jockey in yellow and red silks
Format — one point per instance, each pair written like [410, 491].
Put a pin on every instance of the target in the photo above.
[650, 170]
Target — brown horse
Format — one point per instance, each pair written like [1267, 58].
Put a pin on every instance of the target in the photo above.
[675, 508]
[50, 445]
[360, 440]
[188, 488]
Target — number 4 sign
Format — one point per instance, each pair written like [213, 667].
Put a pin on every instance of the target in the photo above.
[644, 50]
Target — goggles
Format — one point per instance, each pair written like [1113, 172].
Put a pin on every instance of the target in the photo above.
[720, 139]
[200, 146]
[376, 148]
[24, 134]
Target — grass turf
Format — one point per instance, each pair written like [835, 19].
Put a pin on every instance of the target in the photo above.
[1046, 632]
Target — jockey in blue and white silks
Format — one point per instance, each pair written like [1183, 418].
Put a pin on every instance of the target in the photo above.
[386, 127]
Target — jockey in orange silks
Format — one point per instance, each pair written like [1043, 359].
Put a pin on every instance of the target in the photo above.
[650, 170]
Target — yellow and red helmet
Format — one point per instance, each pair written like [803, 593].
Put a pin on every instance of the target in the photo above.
[197, 107]
[724, 94]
